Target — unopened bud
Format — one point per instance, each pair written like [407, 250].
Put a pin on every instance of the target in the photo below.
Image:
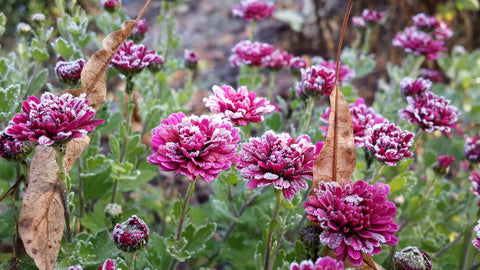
[131, 235]
[411, 258]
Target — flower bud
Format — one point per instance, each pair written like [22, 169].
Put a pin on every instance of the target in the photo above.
[107, 265]
[310, 236]
[69, 72]
[131, 235]
[111, 5]
[411, 258]
[38, 19]
[113, 212]
[191, 59]
[138, 32]
[13, 149]
[24, 28]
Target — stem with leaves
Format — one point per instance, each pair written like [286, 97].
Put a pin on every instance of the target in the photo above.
[65, 184]
[273, 74]
[272, 226]
[308, 115]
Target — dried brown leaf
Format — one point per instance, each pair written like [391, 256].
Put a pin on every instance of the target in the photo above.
[41, 220]
[74, 150]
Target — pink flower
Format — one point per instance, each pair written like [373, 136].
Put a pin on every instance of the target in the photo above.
[12, 149]
[194, 146]
[107, 265]
[430, 112]
[138, 32]
[443, 32]
[253, 10]
[355, 218]
[248, 53]
[362, 118]
[371, 16]
[411, 258]
[476, 241]
[278, 160]
[75, 267]
[471, 148]
[296, 64]
[53, 119]
[322, 263]
[131, 235]
[358, 21]
[344, 72]
[419, 43]
[388, 143]
[424, 22]
[410, 87]
[190, 59]
[475, 178]
[315, 81]
[111, 5]
[132, 58]
[240, 107]
[432, 75]
[276, 60]
[445, 160]
[69, 72]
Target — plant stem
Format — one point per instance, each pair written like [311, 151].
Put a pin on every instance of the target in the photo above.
[252, 29]
[308, 114]
[130, 256]
[273, 74]
[170, 25]
[377, 172]
[65, 188]
[253, 78]
[366, 43]
[268, 244]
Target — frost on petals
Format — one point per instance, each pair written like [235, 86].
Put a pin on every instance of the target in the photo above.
[417, 42]
[471, 148]
[239, 106]
[253, 10]
[247, 53]
[315, 81]
[194, 145]
[476, 241]
[278, 160]
[355, 218]
[322, 263]
[53, 119]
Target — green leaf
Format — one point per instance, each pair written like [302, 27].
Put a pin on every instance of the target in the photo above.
[197, 237]
[365, 65]
[40, 55]
[3, 21]
[293, 18]
[96, 176]
[38, 81]
[468, 4]
[156, 254]
[64, 48]
[274, 121]
[9, 101]
[96, 221]
[177, 250]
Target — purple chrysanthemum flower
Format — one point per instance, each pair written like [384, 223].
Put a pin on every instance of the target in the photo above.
[190, 59]
[430, 112]
[358, 21]
[278, 160]
[425, 22]
[132, 58]
[471, 148]
[355, 218]
[388, 143]
[475, 178]
[75, 267]
[419, 43]
[107, 265]
[247, 53]
[445, 160]
[411, 258]
[276, 60]
[432, 75]
[131, 235]
[443, 32]
[296, 64]
[138, 32]
[316, 80]
[194, 145]
[53, 119]
[253, 10]
[371, 16]
[13, 149]
[322, 263]
[344, 72]
[111, 5]
[411, 87]
[476, 241]
[240, 107]
[362, 117]
[69, 72]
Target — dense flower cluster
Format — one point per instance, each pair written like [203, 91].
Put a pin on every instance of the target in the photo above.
[240, 107]
[443, 32]
[138, 32]
[190, 59]
[411, 258]
[362, 117]
[194, 146]
[322, 263]
[111, 5]
[131, 235]
[445, 160]
[296, 64]
[132, 58]
[315, 81]
[13, 149]
[253, 10]
[430, 112]
[369, 16]
[276, 60]
[432, 75]
[425, 22]
[475, 178]
[53, 119]
[411, 87]
[108, 265]
[476, 241]
[388, 143]
[247, 53]
[69, 72]
[471, 148]
[344, 72]
[278, 160]
[417, 42]
[355, 218]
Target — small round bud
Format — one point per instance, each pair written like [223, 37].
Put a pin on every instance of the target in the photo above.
[190, 59]
[69, 72]
[107, 265]
[310, 236]
[138, 32]
[131, 235]
[411, 258]
[111, 5]
[113, 212]
[38, 19]
[24, 28]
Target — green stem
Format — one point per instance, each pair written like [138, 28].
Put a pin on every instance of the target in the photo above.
[271, 230]
[308, 114]
[65, 188]
[170, 25]
[416, 65]
[130, 256]
[253, 23]
[24, 167]
[254, 75]
[377, 172]
[273, 74]
[366, 43]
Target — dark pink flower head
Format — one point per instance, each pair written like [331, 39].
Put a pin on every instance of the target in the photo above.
[388, 143]
[296, 64]
[362, 117]
[111, 5]
[430, 112]
[132, 58]
[53, 119]
[107, 265]
[344, 72]
[445, 160]
[355, 218]
[138, 32]
[432, 75]
[276, 60]
[411, 258]
[247, 53]
[475, 178]
[315, 81]
[371, 16]
[75, 267]
[358, 21]
[323, 263]
[131, 235]
[253, 10]
[190, 59]
[240, 107]
[417, 42]
[471, 148]
[69, 72]
[278, 160]
[425, 23]
[443, 32]
[194, 146]
[13, 149]
[411, 87]
[476, 241]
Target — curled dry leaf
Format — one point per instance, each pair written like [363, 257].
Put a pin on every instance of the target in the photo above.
[41, 220]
